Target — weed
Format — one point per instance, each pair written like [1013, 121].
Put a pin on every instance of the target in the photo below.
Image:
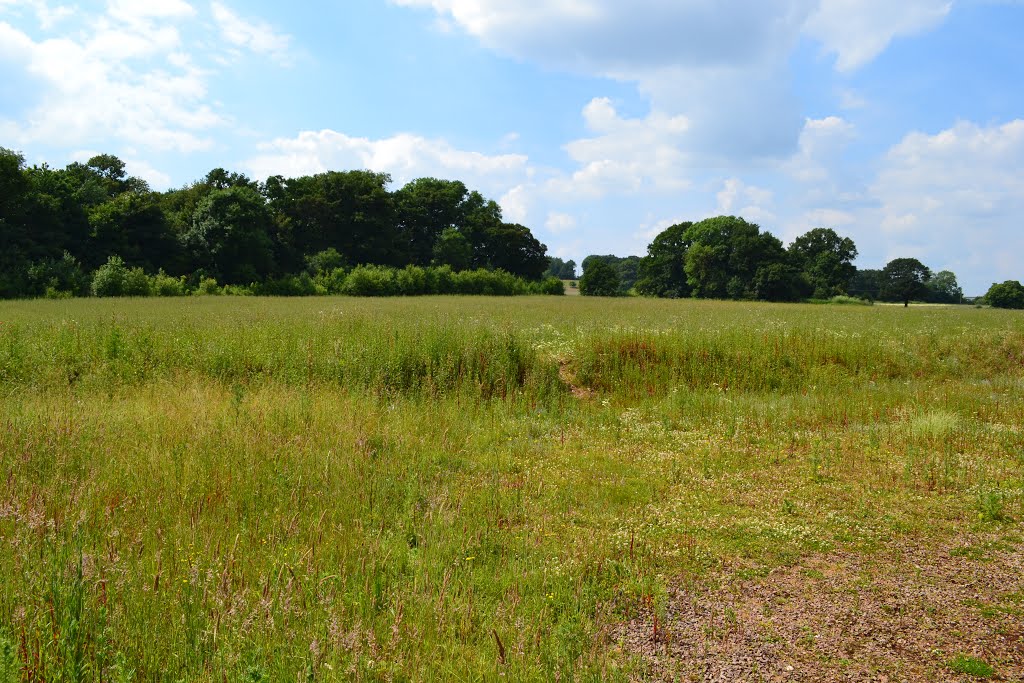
[972, 666]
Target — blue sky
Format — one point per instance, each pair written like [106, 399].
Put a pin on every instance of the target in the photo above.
[594, 122]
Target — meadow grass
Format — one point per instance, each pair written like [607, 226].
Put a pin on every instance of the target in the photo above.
[461, 489]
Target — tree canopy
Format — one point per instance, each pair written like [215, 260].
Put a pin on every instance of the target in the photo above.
[904, 279]
[599, 279]
[239, 231]
[1009, 294]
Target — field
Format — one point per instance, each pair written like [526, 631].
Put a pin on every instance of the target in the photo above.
[242, 489]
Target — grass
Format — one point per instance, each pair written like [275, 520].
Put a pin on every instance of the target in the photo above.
[972, 666]
[259, 489]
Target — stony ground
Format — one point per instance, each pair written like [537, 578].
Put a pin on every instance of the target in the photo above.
[901, 614]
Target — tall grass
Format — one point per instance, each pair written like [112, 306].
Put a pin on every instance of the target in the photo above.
[460, 489]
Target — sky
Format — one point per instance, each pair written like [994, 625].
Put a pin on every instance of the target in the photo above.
[596, 123]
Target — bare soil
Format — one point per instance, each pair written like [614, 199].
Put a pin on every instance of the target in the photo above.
[899, 614]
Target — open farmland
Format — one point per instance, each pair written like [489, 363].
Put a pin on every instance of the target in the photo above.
[251, 489]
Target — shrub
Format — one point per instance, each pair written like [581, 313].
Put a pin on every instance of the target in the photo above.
[288, 285]
[110, 278]
[550, 285]
[371, 281]
[332, 282]
[58, 278]
[208, 287]
[163, 284]
[411, 281]
[1009, 294]
[136, 283]
[599, 279]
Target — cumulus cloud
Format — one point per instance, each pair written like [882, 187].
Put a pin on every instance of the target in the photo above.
[91, 91]
[953, 198]
[723, 64]
[736, 198]
[624, 155]
[406, 157]
[124, 75]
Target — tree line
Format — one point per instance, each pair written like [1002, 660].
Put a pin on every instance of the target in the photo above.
[726, 257]
[60, 226]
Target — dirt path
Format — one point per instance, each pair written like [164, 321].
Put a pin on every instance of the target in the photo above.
[900, 615]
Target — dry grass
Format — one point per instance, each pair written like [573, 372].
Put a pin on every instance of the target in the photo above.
[452, 489]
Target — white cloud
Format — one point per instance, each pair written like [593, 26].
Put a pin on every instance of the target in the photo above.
[822, 144]
[125, 76]
[93, 89]
[257, 36]
[625, 155]
[158, 180]
[406, 157]
[722, 64]
[47, 16]
[559, 223]
[955, 199]
[133, 11]
[857, 31]
[515, 204]
[739, 199]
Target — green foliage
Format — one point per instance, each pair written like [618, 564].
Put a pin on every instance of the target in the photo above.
[64, 275]
[725, 256]
[455, 489]
[551, 286]
[163, 284]
[230, 236]
[325, 261]
[1009, 294]
[866, 284]
[453, 249]
[904, 279]
[826, 259]
[114, 278]
[599, 279]
[972, 666]
[944, 289]
[240, 232]
[209, 287]
[563, 270]
[663, 272]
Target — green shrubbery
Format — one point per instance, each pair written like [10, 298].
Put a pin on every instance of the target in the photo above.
[114, 279]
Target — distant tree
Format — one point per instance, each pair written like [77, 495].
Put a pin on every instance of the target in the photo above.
[513, 248]
[563, 270]
[944, 289]
[134, 226]
[904, 279]
[453, 249]
[220, 179]
[866, 284]
[350, 211]
[627, 268]
[827, 259]
[426, 207]
[779, 281]
[599, 279]
[662, 272]
[725, 255]
[1009, 294]
[229, 237]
